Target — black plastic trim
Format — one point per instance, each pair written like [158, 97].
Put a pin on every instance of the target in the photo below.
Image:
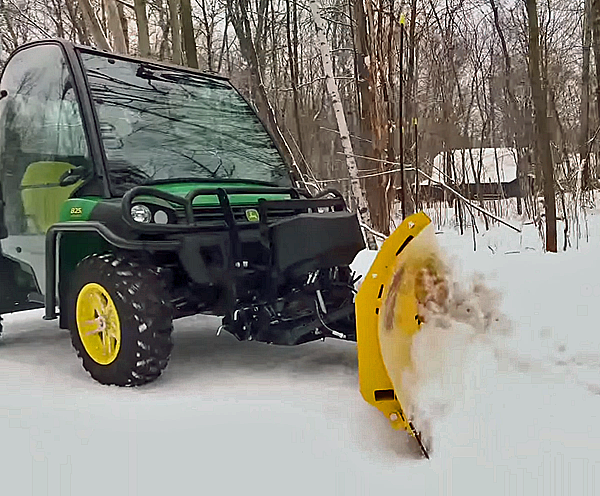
[107, 234]
[90, 120]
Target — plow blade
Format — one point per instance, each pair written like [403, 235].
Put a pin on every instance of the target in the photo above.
[389, 309]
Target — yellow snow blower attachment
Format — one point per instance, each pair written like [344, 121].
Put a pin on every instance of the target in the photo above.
[405, 277]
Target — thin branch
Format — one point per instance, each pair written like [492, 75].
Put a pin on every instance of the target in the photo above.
[351, 135]
[126, 4]
[468, 202]
[373, 231]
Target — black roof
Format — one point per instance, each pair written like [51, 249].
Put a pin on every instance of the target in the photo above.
[69, 45]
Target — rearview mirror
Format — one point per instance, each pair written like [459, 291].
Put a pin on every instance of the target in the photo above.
[72, 176]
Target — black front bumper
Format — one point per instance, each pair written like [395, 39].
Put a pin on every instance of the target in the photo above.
[292, 238]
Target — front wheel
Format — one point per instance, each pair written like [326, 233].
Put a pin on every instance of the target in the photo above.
[120, 320]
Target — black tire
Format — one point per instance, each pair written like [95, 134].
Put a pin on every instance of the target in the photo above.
[145, 316]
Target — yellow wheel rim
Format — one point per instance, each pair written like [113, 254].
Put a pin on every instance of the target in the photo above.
[98, 324]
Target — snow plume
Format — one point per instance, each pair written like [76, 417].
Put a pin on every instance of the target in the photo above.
[449, 355]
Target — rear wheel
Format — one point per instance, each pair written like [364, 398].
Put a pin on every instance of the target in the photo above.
[120, 320]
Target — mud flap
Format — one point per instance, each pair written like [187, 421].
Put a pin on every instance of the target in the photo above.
[388, 316]
[19, 289]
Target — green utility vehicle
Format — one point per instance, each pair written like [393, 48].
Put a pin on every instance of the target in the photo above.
[134, 193]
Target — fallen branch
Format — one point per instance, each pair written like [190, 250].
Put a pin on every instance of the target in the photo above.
[373, 231]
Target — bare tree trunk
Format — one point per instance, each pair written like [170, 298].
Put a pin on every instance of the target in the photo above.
[515, 114]
[223, 46]
[176, 31]
[411, 101]
[238, 15]
[372, 123]
[164, 51]
[293, 62]
[209, 32]
[94, 25]
[336, 102]
[595, 22]
[187, 30]
[165, 27]
[124, 24]
[115, 27]
[79, 26]
[142, 27]
[541, 120]
[585, 94]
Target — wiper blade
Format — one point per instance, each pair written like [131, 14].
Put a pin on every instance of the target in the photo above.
[158, 74]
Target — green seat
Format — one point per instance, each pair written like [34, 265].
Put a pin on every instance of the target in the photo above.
[42, 194]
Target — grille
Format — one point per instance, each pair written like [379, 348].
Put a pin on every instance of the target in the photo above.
[214, 217]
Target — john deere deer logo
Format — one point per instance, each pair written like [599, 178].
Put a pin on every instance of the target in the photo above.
[252, 215]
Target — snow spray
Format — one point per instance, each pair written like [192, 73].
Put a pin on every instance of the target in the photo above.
[456, 343]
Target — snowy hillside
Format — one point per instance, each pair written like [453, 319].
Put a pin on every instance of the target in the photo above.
[249, 418]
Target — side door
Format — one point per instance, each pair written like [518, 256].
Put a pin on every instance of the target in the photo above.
[41, 138]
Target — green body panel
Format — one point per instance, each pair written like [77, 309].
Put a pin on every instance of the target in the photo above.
[78, 209]
[182, 189]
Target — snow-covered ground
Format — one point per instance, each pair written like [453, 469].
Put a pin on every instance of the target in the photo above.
[248, 418]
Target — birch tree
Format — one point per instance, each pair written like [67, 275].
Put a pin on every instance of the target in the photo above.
[338, 109]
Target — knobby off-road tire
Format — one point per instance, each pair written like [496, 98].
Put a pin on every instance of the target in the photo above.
[144, 316]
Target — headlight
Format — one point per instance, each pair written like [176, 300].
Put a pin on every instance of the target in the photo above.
[161, 217]
[141, 214]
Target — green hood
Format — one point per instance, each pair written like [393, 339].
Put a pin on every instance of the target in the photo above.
[80, 208]
[182, 189]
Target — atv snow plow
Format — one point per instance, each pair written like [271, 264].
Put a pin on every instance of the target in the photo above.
[134, 193]
[390, 308]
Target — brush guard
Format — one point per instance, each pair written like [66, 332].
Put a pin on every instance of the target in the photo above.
[302, 261]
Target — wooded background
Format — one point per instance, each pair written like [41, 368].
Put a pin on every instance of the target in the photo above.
[463, 74]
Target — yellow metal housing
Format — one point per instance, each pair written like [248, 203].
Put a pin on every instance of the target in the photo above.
[387, 315]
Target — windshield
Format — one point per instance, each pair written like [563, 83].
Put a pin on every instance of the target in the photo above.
[159, 124]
